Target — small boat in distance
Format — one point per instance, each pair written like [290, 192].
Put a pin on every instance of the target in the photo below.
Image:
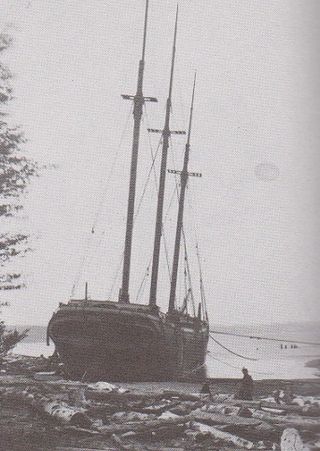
[124, 341]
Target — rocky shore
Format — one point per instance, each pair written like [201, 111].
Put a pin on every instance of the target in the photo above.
[42, 411]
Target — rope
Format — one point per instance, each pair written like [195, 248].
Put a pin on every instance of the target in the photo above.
[102, 199]
[188, 272]
[142, 285]
[202, 290]
[237, 367]
[231, 352]
[266, 338]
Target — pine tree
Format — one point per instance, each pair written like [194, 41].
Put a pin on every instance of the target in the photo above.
[16, 171]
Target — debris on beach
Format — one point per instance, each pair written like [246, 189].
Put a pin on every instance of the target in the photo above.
[104, 415]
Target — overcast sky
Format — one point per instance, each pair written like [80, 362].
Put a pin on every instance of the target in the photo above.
[255, 139]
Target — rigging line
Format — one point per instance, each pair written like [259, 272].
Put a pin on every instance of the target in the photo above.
[202, 290]
[166, 252]
[283, 340]
[152, 168]
[229, 350]
[107, 187]
[119, 266]
[163, 232]
[237, 367]
[142, 284]
[116, 276]
[188, 270]
[183, 233]
[103, 195]
[174, 167]
[156, 186]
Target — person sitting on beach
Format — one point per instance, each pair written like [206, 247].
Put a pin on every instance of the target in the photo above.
[245, 390]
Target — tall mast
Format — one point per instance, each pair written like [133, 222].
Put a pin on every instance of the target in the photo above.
[184, 179]
[138, 102]
[165, 145]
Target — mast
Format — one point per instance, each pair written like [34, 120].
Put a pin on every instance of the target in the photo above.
[165, 145]
[184, 179]
[138, 102]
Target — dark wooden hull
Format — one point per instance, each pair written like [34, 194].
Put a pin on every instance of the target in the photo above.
[120, 342]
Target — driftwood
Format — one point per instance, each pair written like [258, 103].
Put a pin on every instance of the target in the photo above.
[78, 430]
[57, 410]
[126, 447]
[219, 418]
[131, 417]
[97, 395]
[224, 436]
[291, 441]
[139, 427]
[182, 396]
[306, 410]
[86, 449]
[310, 424]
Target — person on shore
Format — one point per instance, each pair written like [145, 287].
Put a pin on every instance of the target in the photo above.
[205, 389]
[245, 390]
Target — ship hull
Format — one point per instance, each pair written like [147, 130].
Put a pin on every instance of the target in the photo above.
[117, 342]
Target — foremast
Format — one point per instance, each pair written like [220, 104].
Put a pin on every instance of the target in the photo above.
[138, 102]
[184, 180]
[163, 169]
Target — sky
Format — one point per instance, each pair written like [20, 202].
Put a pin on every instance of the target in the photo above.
[255, 211]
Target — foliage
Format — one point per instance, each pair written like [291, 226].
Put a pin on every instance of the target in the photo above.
[16, 171]
[9, 339]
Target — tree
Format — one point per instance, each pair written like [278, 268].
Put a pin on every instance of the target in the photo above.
[16, 171]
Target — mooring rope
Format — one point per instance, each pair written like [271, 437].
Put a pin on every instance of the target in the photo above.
[229, 350]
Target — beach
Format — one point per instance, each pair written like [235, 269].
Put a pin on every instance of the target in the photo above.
[175, 411]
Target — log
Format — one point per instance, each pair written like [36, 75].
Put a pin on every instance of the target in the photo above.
[219, 418]
[184, 407]
[126, 447]
[131, 417]
[306, 410]
[59, 411]
[78, 429]
[63, 413]
[139, 427]
[224, 436]
[85, 449]
[182, 396]
[97, 395]
[291, 441]
[310, 424]
[157, 409]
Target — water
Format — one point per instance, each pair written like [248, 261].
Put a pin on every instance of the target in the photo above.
[267, 359]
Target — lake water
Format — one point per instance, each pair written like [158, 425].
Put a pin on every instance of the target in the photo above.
[264, 359]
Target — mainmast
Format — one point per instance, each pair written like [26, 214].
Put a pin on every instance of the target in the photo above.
[165, 146]
[184, 179]
[138, 102]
